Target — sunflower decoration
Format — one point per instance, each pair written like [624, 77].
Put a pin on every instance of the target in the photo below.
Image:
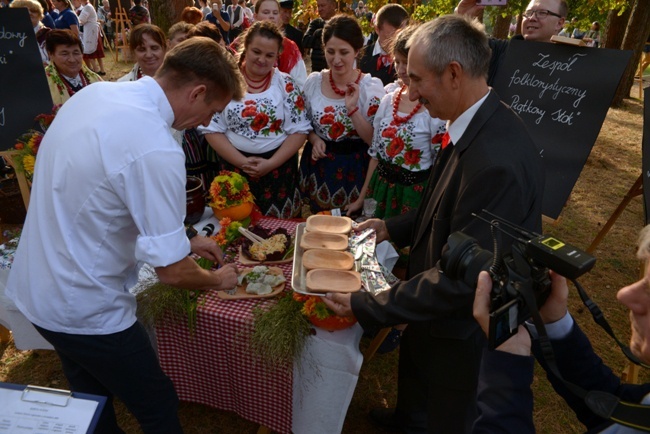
[28, 144]
[229, 189]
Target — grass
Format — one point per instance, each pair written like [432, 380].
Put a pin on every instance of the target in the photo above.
[612, 168]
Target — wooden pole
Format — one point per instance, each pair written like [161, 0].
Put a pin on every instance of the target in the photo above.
[122, 22]
[635, 190]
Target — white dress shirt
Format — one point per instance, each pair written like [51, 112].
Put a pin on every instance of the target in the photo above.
[108, 195]
[458, 127]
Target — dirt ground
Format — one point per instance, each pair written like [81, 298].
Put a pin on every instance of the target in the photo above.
[612, 168]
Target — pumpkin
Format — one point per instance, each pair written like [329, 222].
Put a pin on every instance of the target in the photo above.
[235, 213]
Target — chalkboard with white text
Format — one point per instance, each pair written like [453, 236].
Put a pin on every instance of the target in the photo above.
[562, 93]
[24, 93]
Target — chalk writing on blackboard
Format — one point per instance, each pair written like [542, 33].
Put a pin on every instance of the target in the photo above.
[21, 65]
[562, 94]
[19, 36]
[554, 88]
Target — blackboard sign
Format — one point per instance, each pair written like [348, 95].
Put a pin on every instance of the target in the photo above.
[24, 93]
[562, 94]
[645, 152]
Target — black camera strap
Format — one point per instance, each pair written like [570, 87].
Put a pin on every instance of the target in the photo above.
[599, 318]
[603, 404]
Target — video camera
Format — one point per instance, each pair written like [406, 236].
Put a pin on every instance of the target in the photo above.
[520, 279]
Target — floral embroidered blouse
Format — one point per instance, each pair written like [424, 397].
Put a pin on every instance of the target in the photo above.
[413, 145]
[58, 89]
[262, 121]
[329, 117]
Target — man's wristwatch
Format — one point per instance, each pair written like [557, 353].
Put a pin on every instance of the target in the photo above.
[191, 232]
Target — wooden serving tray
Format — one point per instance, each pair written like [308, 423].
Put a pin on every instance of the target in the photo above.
[322, 280]
[240, 290]
[245, 260]
[329, 224]
[327, 259]
[322, 240]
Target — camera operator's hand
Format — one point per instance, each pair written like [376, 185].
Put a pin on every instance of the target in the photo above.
[556, 305]
[518, 344]
[378, 225]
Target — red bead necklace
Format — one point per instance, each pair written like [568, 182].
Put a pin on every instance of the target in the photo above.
[68, 86]
[397, 120]
[264, 81]
[336, 89]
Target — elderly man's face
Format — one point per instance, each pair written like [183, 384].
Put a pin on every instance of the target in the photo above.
[326, 8]
[433, 91]
[67, 59]
[637, 298]
[541, 29]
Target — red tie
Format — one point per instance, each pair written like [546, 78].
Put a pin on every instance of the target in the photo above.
[384, 60]
[445, 141]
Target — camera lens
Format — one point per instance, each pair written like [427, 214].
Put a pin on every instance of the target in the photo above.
[464, 259]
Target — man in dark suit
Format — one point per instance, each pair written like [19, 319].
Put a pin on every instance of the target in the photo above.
[313, 38]
[491, 163]
[286, 9]
[377, 60]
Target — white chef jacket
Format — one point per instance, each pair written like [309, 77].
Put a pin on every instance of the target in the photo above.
[108, 194]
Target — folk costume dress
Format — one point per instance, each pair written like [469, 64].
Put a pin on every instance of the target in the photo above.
[90, 35]
[336, 180]
[258, 125]
[405, 151]
[62, 88]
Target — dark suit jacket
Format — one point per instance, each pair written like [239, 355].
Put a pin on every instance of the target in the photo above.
[368, 64]
[313, 40]
[579, 364]
[295, 35]
[494, 166]
[505, 399]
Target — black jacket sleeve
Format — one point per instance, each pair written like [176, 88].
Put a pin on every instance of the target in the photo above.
[504, 397]
[313, 35]
[580, 365]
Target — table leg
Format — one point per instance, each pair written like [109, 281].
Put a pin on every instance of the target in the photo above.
[376, 343]
[5, 335]
[264, 430]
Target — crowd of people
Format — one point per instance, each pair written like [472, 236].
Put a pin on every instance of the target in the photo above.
[406, 117]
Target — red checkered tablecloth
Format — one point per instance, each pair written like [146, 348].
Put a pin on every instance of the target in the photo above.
[215, 366]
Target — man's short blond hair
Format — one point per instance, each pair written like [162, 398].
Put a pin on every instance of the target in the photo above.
[201, 60]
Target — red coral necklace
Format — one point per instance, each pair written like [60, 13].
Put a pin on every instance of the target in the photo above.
[397, 120]
[339, 91]
[252, 84]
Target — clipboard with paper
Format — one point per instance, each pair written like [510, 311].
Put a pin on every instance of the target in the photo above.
[29, 409]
